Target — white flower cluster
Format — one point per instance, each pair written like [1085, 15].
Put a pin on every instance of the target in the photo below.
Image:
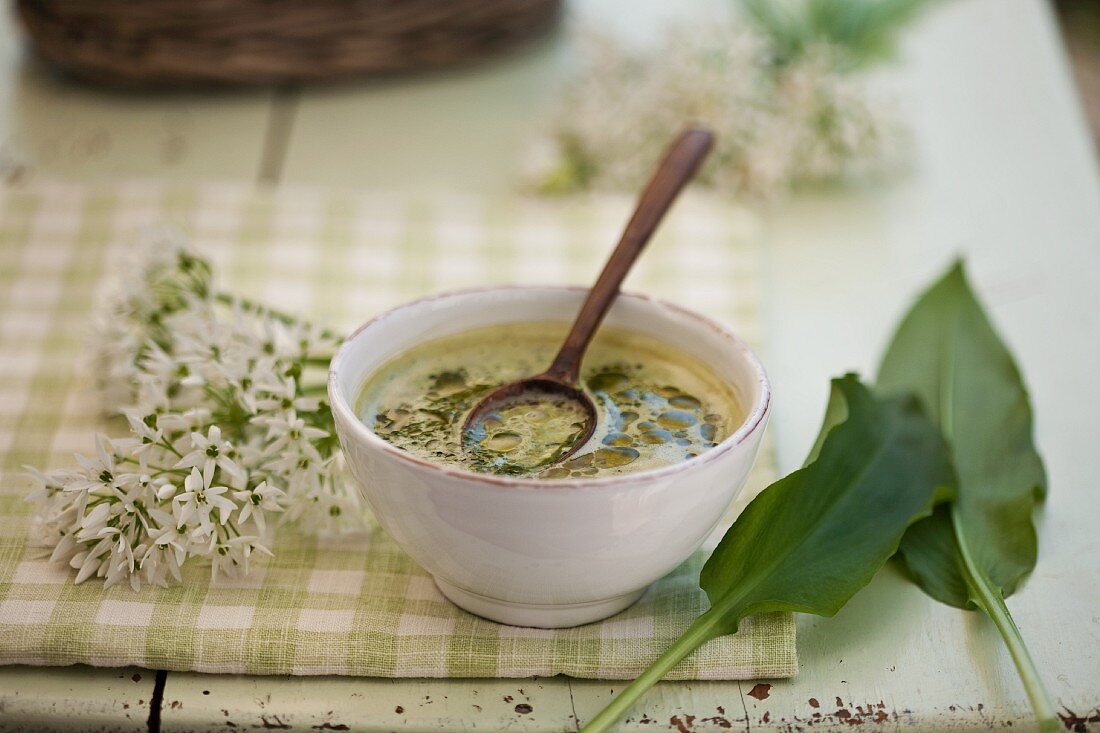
[776, 125]
[228, 425]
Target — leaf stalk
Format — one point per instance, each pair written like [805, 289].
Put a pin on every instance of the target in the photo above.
[251, 306]
[992, 603]
[702, 630]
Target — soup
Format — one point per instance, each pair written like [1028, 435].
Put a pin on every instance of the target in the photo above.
[656, 406]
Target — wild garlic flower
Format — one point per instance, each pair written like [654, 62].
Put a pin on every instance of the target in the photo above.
[228, 427]
[777, 124]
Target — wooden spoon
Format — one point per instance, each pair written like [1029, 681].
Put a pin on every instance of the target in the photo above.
[559, 383]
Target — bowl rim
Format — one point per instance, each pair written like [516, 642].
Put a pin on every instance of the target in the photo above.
[752, 422]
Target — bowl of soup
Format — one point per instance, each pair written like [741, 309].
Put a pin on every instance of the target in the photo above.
[508, 531]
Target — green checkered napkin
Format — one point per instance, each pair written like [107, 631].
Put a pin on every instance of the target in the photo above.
[352, 604]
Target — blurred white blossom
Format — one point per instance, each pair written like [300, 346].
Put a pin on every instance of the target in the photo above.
[807, 119]
[228, 426]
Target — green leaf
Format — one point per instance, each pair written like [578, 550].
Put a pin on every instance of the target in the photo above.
[815, 537]
[836, 412]
[975, 552]
[947, 353]
[812, 539]
[865, 30]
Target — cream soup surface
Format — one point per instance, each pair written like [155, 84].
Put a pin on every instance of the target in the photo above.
[656, 405]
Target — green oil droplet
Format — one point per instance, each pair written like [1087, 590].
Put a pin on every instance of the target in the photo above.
[676, 419]
[606, 382]
[618, 439]
[685, 402]
[581, 461]
[503, 442]
[656, 436]
[614, 457]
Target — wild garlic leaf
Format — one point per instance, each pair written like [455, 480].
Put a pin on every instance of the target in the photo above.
[815, 537]
[836, 412]
[812, 539]
[946, 352]
[975, 551]
[864, 30]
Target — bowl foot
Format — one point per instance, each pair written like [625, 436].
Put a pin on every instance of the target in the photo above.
[544, 616]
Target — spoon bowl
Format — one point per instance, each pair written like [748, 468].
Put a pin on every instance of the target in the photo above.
[496, 424]
[568, 405]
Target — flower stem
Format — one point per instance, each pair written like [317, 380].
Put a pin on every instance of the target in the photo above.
[164, 442]
[991, 601]
[702, 630]
[260, 309]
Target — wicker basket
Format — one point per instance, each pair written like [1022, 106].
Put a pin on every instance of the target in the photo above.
[158, 43]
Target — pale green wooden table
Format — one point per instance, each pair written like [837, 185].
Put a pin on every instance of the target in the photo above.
[1004, 172]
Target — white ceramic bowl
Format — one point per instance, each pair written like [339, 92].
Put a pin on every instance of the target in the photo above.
[533, 552]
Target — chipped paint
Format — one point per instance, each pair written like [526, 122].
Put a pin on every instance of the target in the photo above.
[760, 691]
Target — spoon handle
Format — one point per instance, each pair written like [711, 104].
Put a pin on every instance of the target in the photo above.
[679, 165]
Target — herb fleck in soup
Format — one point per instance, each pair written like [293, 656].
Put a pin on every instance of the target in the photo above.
[656, 406]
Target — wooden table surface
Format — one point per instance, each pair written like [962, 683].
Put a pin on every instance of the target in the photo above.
[1003, 172]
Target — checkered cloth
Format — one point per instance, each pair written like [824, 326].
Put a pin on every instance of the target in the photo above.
[352, 604]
